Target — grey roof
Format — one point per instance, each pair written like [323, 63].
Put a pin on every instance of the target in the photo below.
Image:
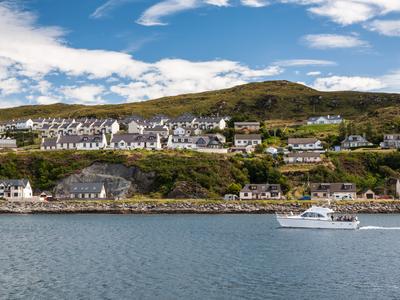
[133, 138]
[156, 128]
[209, 119]
[49, 143]
[392, 136]
[248, 137]
[302, 141]
[73, 139]
[355, 138]
[14, 182]
[333, 187]
[261, 188]
[91, 187]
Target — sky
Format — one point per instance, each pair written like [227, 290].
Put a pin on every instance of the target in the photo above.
[117, 51]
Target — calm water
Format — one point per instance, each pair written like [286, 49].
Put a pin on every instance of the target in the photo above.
[194, 257]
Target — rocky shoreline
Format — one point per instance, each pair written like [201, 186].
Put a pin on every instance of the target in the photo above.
[188, 207]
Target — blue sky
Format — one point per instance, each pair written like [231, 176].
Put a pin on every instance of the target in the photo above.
[99, 51]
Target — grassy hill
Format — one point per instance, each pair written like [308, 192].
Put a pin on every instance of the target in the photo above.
[258, 101]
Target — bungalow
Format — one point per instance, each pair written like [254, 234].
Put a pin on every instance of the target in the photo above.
[15, 189]
[75, 142]
[94, 190]
[7, 143]
[305, 144]
[325, 120]
[302, 157]
[212, 141]
[135, 141]
[355, 141]
[391, 141]
[243, 140]
[261, 191]
[334, 191]
[248, 126]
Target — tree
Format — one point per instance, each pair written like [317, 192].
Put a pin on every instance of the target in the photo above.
[234, 188]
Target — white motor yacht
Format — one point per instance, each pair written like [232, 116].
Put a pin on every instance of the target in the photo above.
[319, 218]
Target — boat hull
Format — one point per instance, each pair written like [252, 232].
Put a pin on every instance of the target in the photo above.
[288, 222]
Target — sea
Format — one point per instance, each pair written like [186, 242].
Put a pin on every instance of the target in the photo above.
[195, 257]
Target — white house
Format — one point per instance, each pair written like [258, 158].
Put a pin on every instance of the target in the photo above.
[355, 141]
[243, 140]
[185, 120]
[94, 190]
[110, 126]
[24, 124]
[135, 141]
[325, 120]
[7, 143]
[209, 123]
[303, 157]
[211, 141]
[15, 189]
[334, 191]
[391, 141]
[261, 192]
[186, 131]
[75, 142]
[305, 144]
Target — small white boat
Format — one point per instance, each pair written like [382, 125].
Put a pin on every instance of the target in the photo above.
[318, 218]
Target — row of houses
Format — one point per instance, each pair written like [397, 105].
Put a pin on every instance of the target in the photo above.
[21, 190]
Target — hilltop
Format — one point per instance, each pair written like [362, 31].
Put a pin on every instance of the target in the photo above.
[258, 101]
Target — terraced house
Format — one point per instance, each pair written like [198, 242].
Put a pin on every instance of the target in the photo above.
[75, 142]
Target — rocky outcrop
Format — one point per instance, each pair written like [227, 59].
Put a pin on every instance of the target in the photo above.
[120, 181]
[188, 190]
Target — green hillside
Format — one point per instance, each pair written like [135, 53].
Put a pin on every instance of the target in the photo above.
[261, 101]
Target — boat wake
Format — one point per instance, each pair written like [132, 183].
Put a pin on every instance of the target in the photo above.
[378, 228]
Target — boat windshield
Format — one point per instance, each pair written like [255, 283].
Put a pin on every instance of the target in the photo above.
[312, 215]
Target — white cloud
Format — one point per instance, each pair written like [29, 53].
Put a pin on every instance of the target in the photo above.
[392, 81]
[345, 83]
[104, 10]
[46, 100]
[152, 16]
[8, 103]
[10, 86]
[304, 62]
[87, 94]
[218, 2]
[23, 45]
[314, 73]
[327, 41]
[385, 27]
[347, 12]
[255, 3]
